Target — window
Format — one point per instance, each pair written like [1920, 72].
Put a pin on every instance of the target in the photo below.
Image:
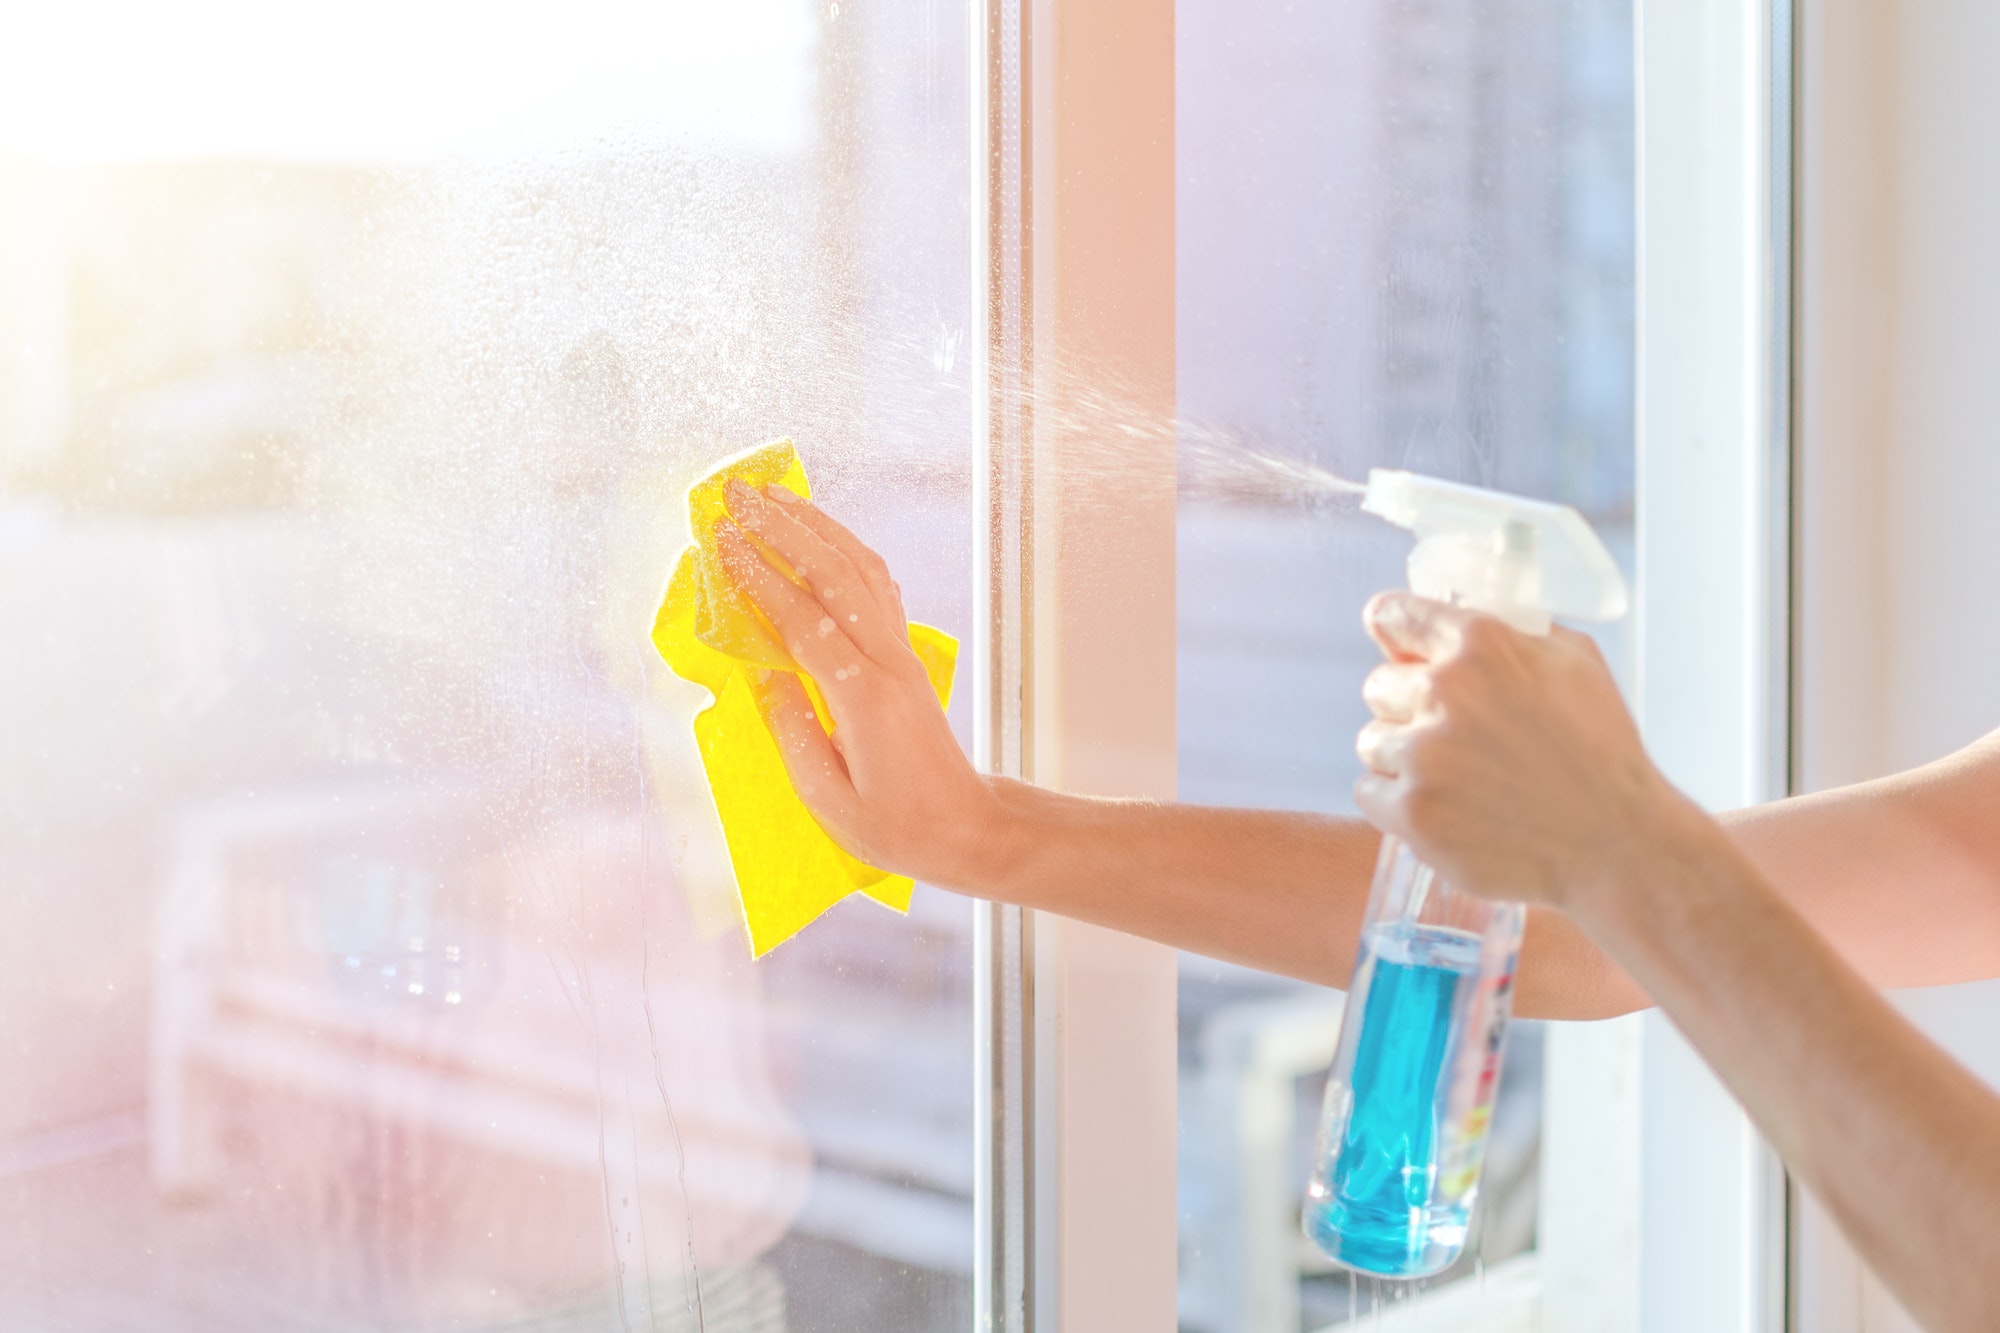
[371, 960]
[1406, 239]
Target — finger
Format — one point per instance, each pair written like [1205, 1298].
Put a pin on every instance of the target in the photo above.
[1379, 799]
[830, 576]
[1383, 747]
[1410, 628]
[1397, 691]
[812, 761]
[873, 568]
[813, 638]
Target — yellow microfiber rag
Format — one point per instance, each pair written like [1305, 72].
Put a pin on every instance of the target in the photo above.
[788, 871]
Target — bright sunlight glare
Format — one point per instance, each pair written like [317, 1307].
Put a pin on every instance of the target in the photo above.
[397, 80]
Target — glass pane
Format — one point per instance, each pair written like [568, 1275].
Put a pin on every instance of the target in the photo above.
[372, 960]
[1405, 240]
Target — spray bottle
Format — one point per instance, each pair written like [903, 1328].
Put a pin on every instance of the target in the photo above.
[1409, 1098]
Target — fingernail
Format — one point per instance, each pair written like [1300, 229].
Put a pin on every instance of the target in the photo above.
[782, 494]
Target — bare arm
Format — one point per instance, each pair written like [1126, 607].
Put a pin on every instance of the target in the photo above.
[1900, 1142]
[1284, 892]
[1896, 1138]
[1901, 875]
[1272, 890]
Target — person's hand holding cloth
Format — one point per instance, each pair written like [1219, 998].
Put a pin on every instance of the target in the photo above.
[827, 749]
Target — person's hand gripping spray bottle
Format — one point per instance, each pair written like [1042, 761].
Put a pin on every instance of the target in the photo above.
[1409, 1098]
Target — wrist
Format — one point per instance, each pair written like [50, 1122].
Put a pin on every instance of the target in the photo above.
[1663, 829]
[984, 839]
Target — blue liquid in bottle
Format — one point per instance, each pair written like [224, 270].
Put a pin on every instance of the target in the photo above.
[1374, 1209]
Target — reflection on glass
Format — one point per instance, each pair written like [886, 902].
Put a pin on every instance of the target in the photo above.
[372, 959]
[1405, 240]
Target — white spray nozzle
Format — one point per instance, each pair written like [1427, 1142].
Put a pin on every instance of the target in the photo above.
[1519, 559]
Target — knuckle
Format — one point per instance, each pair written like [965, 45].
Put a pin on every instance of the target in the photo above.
[1421, 804]
[1445, 681]
[1429, 785]
[1481, 636]
[1420, 748]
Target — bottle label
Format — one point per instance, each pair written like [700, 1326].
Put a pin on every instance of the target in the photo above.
[1470, 1112]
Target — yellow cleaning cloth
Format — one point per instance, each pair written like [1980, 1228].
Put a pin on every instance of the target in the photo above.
[787, 870]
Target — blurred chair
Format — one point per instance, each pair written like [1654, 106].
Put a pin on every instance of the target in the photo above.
[1243, 1274]
[371, 951]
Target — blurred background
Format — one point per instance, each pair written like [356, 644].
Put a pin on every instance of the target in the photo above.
[372, 960]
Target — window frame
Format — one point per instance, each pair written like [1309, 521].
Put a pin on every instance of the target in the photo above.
[1073, 273]
[1716, 462]
[1651, 1171]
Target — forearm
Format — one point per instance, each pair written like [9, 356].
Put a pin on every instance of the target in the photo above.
[1278, 891]
[1281, 892]
[1901, 875]
[1899, 1141]
[1284, 892]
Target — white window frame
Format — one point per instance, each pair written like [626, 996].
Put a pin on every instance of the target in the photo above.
[1663, 1208]
[1663, 1211]
[1073, 270]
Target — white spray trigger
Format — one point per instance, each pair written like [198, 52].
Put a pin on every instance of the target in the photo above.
[1519, 559]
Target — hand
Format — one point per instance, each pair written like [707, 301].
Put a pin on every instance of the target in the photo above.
[1507, 761]
[889, 783]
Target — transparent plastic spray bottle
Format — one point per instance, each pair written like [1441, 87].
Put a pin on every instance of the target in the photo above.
[1409, 1098]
